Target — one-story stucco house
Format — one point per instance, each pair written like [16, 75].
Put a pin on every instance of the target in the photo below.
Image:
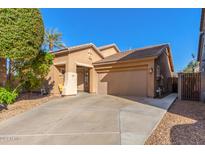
[107, 70]
[2, 72]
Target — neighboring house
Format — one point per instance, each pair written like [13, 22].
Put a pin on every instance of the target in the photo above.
[106, 70]
[201, 48]
[2, 72]
[201, 54]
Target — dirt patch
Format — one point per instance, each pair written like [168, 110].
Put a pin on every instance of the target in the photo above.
[184, 123]
[23, 103]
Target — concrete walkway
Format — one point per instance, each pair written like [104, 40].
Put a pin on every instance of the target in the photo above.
[140, 119]
[87, 119]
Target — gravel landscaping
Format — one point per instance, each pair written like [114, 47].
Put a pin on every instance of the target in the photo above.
[24, 103]
[184, 123]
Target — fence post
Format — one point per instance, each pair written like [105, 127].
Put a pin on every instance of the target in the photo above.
[202, 86]
[179, 86]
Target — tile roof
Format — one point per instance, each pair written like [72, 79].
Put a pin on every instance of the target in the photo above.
[73, 48]
[109, 46]
[140, 53]
[78, 47]
[84, 46]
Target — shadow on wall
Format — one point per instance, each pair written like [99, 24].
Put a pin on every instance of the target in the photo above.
[48, 84]
[193, 133]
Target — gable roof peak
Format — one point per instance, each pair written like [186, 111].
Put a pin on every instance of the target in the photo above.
[76, 48]
[109, 46]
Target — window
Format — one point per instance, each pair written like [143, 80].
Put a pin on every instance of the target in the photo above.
[158, 71]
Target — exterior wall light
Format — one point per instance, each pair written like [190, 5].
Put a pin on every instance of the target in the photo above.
[151, 70]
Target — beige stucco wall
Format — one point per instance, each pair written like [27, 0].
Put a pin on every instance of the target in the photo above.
[53, 80]
[86, 56]
[109, 51]
[55, 77]
[93, 81]
[83, 57]
[165, 65]
[151, 78]
[59, 59]
[132, 78]
[165, 71]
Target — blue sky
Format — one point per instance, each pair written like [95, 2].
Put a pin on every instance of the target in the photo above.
[130, 28]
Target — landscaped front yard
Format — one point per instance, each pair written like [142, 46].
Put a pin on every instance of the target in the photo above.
[24, 103]
[184, 123]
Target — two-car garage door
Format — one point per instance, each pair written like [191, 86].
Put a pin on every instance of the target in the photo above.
[124, 83]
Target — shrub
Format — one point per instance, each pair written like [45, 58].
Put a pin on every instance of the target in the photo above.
[22, 33]
[7, 96]
[21, 37]
[33, 72]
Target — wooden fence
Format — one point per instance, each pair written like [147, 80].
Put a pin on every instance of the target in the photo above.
[172, 84]
[190, 86]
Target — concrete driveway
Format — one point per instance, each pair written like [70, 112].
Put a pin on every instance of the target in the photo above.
[87, 119]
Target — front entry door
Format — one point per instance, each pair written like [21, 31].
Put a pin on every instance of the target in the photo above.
[86, 80]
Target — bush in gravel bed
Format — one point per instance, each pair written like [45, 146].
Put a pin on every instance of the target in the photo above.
[7, 96]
